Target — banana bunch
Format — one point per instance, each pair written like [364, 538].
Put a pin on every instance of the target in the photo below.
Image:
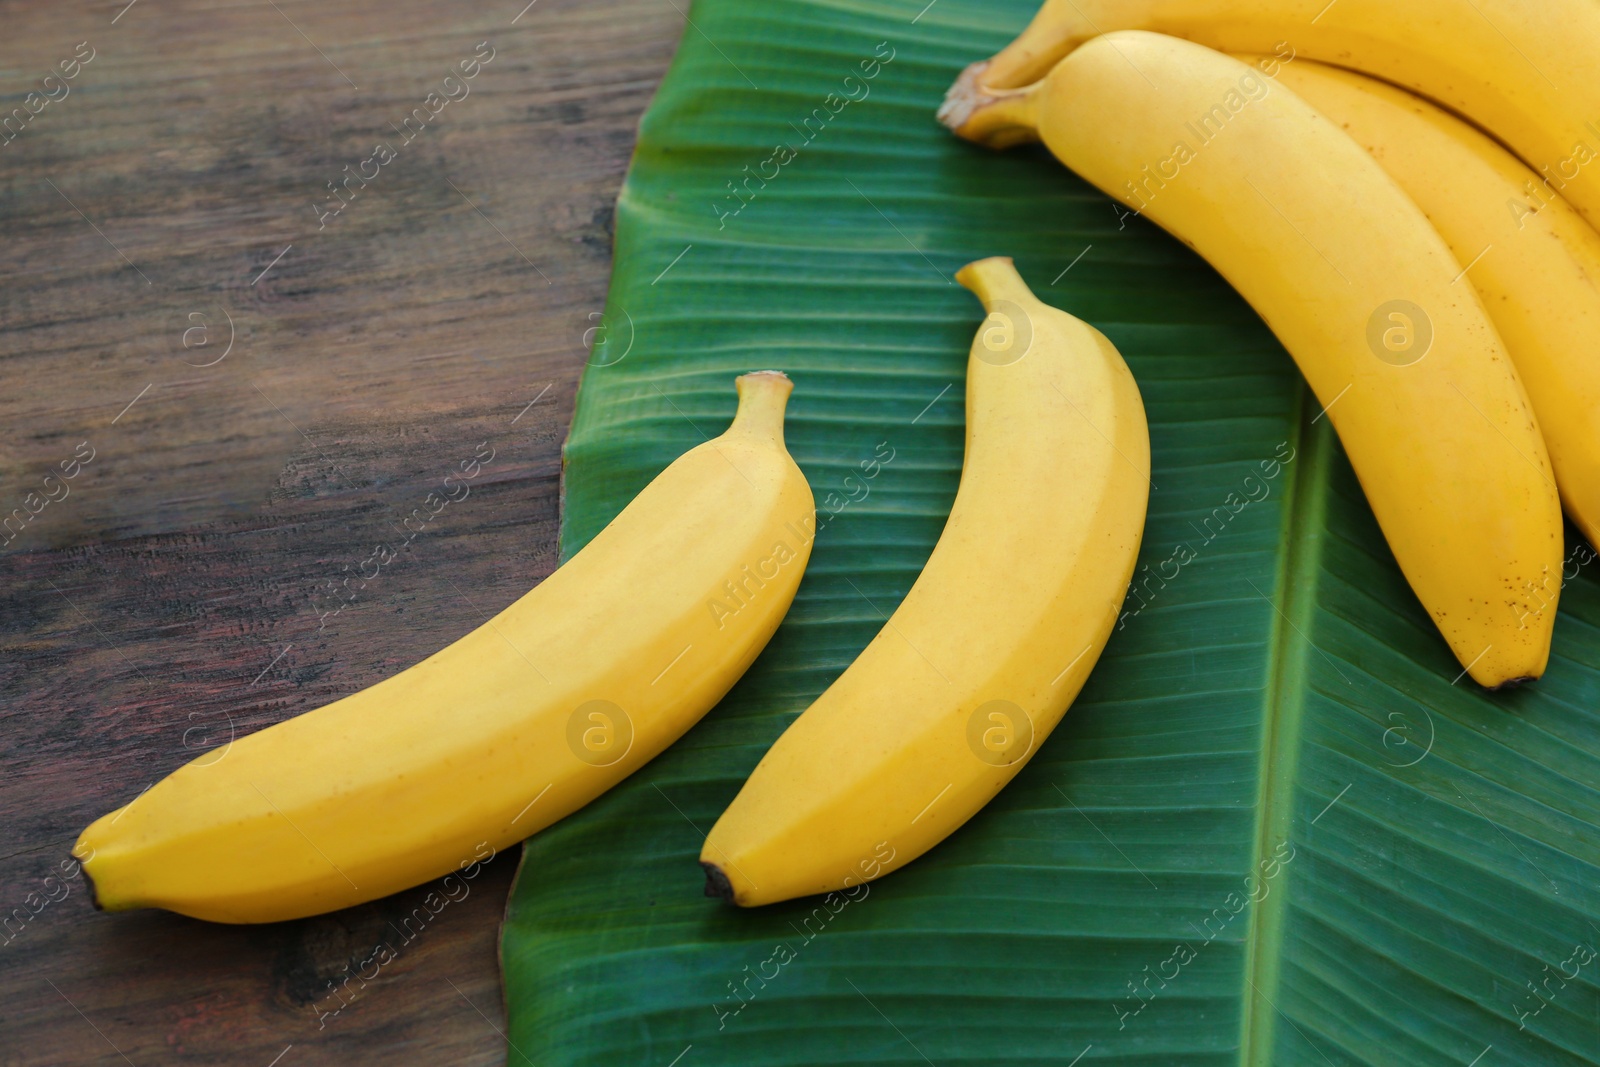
[521, 722]
[934, 718]
[1522, 70]
[1434, 290]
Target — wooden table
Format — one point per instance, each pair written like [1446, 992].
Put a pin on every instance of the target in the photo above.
[249, 391]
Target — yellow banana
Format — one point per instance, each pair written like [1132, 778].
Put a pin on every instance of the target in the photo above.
[519, 723]
[1535, 264]
[993, 641]
[1360, 289]
[1522, 69]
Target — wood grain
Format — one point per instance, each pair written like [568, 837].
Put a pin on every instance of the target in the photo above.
[188, 583]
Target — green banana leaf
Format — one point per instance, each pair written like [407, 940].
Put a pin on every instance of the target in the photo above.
[1277, 827]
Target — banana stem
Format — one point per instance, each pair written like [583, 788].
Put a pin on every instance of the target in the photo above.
[993, 280]
[763, 395]
[998, 118]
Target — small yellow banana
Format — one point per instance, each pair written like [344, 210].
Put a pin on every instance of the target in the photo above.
[1522, 69]
[1534, 262]
[1360, 289]
[519, 723]
[993, 641]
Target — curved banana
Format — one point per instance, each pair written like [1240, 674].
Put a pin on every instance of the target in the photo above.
[1535, 263]
[1360, 289]
[519, 723]
[993, 641]
[1522, 69]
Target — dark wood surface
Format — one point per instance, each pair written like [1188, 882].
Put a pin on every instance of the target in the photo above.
[181, 586]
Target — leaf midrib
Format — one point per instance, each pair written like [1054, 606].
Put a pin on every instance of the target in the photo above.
[1294, 599]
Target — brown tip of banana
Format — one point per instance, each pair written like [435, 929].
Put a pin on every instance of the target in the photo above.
[717, 884]
[996, 118]
[1513, 683]
[94, 896]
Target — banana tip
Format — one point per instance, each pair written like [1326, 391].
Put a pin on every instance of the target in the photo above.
[1513, 683]
[717, 884]
[94, 895]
